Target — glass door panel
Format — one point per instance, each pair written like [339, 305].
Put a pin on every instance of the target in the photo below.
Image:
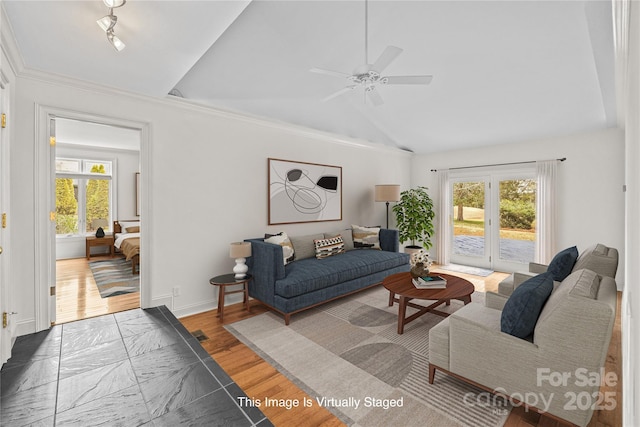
[470, 225]
[517, 219]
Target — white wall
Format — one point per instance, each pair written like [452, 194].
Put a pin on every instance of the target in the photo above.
[125, 164]
[590, 183]
[207, 185]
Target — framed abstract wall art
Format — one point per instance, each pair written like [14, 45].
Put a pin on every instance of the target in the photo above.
[304, 192]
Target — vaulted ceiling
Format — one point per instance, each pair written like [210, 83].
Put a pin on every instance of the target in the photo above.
[503, 71]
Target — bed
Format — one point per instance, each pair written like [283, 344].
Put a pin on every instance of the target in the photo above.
[127, 241]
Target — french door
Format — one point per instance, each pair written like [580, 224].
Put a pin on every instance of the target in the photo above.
[494, 219]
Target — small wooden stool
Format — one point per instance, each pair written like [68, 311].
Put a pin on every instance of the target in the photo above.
[225, 280]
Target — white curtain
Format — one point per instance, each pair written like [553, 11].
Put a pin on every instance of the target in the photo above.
[546, 210]
[443, 237]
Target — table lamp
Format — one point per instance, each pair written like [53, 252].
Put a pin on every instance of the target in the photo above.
[239, 251]
[387, 193]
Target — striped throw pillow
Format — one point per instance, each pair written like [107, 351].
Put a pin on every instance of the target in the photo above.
[329, 247]
[366, 237]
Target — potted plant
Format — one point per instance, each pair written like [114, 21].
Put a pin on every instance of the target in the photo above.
[414, 217]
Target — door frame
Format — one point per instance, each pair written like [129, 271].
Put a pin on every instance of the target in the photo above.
[7, 335]
[44, 200]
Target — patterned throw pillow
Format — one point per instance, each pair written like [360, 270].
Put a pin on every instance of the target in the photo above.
[366, 237]
[283, 240]
[329, 247]
[347, 237]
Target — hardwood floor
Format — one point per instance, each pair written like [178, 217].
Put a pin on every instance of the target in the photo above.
[77, 295]
[258, 379]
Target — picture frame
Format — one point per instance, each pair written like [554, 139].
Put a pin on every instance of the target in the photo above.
[137, 193]
[303, 192]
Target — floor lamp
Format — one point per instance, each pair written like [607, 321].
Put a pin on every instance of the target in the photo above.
[387, 193]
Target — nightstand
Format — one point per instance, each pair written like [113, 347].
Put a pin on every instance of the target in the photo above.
[229, 280]
[99, 241]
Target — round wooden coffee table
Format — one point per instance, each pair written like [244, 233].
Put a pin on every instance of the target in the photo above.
[400, 284]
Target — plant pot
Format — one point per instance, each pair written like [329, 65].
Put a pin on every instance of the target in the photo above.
[411, 249]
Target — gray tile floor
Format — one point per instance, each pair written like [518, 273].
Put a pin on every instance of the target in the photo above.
[135, 368]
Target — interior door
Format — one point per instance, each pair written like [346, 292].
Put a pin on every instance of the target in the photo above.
[7, 330]
[471, 221]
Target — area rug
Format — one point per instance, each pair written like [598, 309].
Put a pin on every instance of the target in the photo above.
[114, 277]
[348, 357]
[476, 271]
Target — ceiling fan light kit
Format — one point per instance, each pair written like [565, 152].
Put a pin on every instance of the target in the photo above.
[369, 76]
[108, 22]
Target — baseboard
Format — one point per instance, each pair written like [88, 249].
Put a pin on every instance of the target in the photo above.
[192, 309]
[166, 300]
[189, 310]
[25, 327]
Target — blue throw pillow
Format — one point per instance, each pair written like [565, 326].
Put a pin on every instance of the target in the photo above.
[521, 311]
[562, 264]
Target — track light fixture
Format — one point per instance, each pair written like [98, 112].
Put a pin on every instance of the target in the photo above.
[108, 22]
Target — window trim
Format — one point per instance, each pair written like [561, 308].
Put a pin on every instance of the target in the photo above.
[80, 235]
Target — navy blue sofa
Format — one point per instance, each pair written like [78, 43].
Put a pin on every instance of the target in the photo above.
[306, 283]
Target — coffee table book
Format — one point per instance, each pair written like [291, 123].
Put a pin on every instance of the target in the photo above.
[430, 282]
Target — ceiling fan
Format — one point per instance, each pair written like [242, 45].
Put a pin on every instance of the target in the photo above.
[369, 76]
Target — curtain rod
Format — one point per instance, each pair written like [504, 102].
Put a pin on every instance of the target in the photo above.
[499, 164]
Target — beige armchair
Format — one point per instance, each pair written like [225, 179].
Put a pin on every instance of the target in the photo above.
[599, 258]
[570, 341]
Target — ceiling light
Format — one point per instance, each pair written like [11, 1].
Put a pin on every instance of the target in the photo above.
[115, 41]
[114, 3]
[108, 23]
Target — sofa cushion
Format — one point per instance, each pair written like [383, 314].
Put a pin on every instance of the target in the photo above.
[303, 245]
[329, 247]
[562, 264]
[309, 275]
[587, 284]
[366, 237]
[283, 240]
[347, 238]
[521, 311]
[599, 258]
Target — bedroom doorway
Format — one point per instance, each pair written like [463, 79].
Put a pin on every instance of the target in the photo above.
[94, 181]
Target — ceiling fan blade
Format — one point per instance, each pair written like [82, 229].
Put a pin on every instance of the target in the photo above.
[374, 97]
[330, 73]
[338, 93]
[407, 80]
[387, 57]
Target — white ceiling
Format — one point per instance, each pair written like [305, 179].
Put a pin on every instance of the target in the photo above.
[85, 133]
[504, 71]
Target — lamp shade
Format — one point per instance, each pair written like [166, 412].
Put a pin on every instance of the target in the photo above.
[387, 193]
[240, 250]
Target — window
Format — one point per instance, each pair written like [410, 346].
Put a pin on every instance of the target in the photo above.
[83, 196]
